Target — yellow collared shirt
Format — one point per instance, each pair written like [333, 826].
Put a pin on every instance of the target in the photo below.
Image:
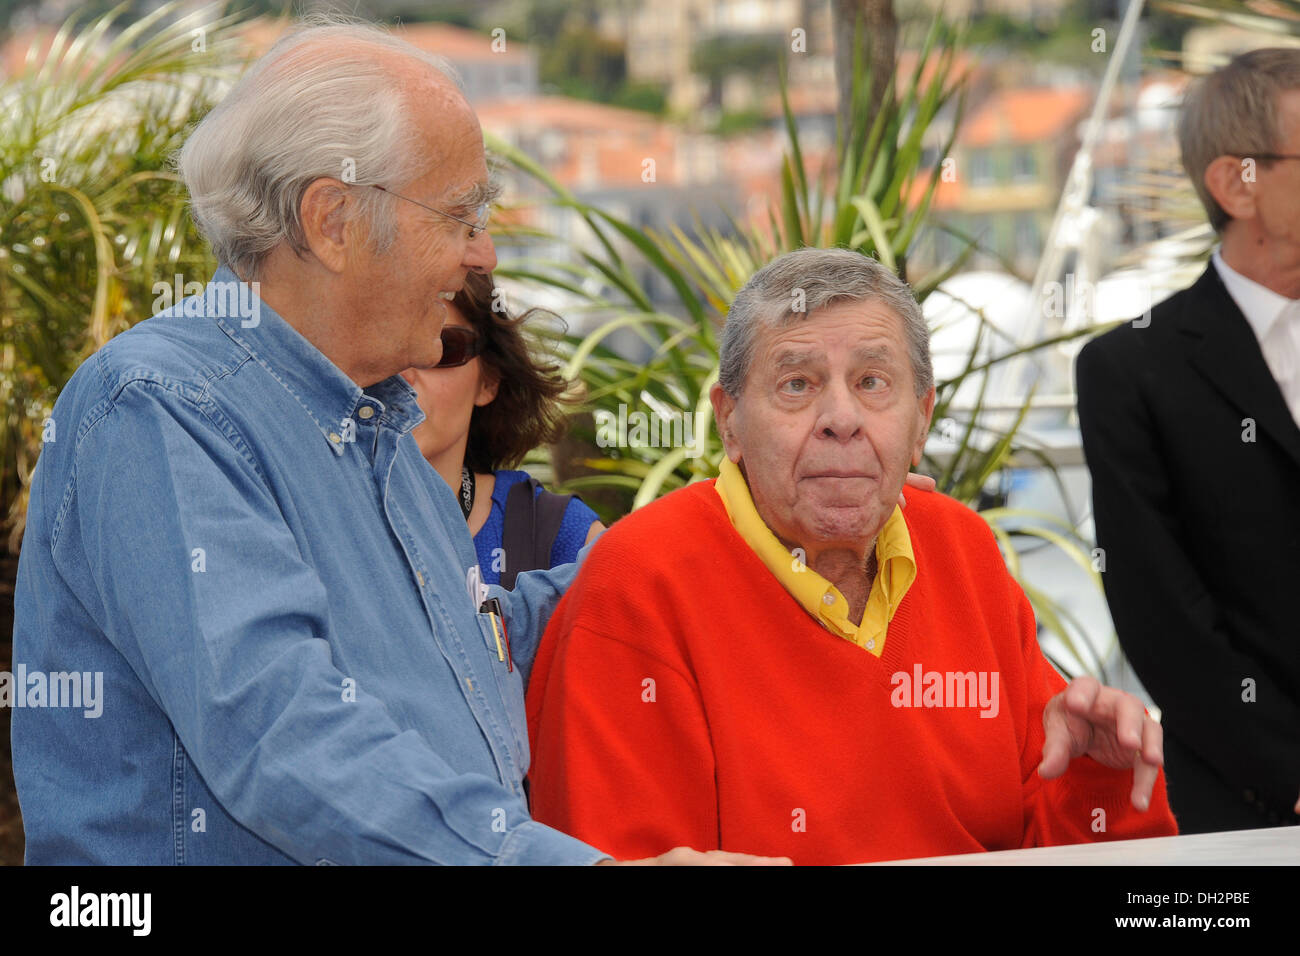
[823, 600]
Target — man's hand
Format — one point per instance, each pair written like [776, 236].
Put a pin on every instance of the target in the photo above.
[919, 482]
[685, 856]
[1109, 726]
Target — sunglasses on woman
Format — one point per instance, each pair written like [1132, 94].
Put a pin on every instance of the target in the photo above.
[459, 345]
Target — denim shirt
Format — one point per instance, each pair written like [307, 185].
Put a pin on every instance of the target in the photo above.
[280, 598]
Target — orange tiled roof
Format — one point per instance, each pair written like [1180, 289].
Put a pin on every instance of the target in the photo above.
[454, 43]
[565, 113]
[14, 50]
[601, 144]
[1024, 115]
[823, 98]
[457, 43]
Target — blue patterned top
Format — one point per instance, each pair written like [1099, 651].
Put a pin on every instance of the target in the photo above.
[578, 519]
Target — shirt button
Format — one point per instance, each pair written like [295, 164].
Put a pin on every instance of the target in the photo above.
[335, 438]
[871, 645]
[828, 599]
[365, 412]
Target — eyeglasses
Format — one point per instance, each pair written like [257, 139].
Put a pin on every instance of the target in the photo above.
[1267, 157]
[476, 228]
[459, 345]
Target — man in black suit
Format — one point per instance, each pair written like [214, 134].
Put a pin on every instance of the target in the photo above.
[1190, 428]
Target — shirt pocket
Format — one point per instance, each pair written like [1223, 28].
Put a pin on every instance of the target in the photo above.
[510, 686]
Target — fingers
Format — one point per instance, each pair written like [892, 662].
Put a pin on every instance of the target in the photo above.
[1153, 741]
[1057, 743]
[1121, 734]
[685, 856]
[920, 482]
[678, 856]
[1130, 716]
[1118, 714]
[1081, 695]
[1146, 769]
[1144, 782]
[724, 858]
[1109, 713]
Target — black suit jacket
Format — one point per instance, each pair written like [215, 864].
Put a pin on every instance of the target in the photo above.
[1200, 529]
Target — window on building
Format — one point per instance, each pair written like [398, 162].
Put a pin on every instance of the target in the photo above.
[981, 167]
[1024, 164]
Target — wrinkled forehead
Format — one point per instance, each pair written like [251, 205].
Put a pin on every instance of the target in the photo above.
[441, 114]
[860, 325]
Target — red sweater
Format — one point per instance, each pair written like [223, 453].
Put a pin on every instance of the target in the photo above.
[681, 697]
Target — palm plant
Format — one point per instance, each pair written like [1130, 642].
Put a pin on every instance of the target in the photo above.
[872, 195]
[91, 217]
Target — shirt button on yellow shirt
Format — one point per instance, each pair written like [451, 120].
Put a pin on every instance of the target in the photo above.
[894, 558]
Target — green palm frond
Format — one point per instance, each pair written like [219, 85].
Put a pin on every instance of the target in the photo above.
[91, 217]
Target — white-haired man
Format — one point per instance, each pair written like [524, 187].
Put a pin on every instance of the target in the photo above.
[236, 533]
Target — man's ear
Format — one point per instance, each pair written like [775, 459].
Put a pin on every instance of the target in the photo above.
[724, 407]
[927, 415]
[325, 225]
[1227, 181]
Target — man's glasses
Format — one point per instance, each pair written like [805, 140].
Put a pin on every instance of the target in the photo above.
[476, 228]
[459, 345]
[1266, 157]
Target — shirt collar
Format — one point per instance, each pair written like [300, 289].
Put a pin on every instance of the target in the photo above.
[331, 398]
[1261, 306]
[895, 561]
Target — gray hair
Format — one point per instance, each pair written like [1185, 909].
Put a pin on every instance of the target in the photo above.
[1234, 111]
[293, 119]
[824, 276]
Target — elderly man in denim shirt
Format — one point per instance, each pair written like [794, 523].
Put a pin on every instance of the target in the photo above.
[234, 530]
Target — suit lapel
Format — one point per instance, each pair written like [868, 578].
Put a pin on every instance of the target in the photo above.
[1229, 356]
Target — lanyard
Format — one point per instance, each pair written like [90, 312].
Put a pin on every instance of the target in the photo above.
[466, 491]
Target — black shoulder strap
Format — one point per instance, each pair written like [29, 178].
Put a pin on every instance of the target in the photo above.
[532, 523]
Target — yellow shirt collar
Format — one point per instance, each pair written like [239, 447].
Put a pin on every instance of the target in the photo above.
[894, 560]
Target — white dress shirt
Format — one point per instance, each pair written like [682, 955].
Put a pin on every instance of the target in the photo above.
[1276, 322]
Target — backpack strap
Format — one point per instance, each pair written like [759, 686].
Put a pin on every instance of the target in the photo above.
[532, 523]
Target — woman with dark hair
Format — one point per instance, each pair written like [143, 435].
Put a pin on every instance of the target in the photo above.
[487, 404]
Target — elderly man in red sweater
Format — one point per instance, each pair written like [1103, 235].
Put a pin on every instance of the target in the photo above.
[783, 662]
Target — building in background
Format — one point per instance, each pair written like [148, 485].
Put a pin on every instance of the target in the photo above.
[647, 172]
[722, 53]
[1004, 179]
